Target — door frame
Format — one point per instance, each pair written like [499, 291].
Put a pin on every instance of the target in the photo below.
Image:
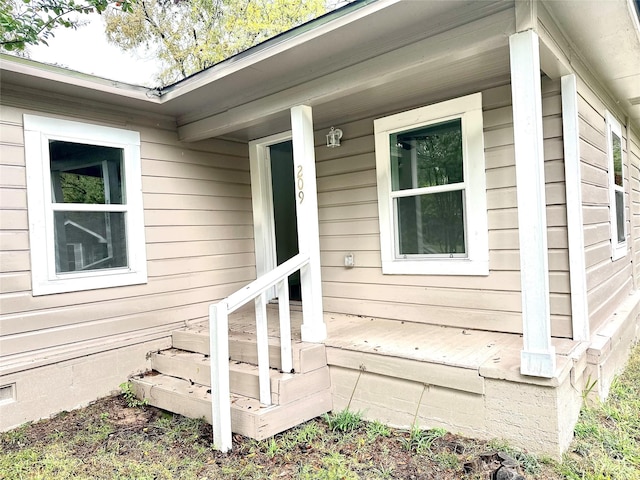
[264, 229]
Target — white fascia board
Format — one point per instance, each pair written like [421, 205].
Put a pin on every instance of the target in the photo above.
[52, 73]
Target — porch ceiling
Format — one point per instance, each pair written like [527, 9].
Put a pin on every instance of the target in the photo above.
[432, 84]
[401, 51]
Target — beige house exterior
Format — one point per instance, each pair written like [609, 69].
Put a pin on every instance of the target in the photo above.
[493, 336]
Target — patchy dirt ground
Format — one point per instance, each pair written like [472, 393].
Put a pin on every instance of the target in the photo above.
[110, 440]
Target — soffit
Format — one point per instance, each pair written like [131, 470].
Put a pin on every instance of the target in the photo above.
[606, 34]
[429, 85]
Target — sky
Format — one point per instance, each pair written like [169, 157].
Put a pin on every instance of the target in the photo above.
[86, 50]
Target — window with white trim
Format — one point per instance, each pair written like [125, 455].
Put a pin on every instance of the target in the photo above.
[84, 195]
[616, 188]
[432, 189]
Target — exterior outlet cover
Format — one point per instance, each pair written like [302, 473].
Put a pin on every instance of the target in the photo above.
[349, 261]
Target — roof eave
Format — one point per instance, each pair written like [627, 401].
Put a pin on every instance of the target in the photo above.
[49, 74]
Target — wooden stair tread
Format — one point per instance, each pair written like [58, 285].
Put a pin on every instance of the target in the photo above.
[181, 378]
[242, 347]
[196, 368]
[248, 417]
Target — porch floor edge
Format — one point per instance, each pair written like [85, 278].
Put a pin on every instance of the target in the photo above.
[494, 355]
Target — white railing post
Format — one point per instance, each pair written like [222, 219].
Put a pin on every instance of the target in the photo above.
[220, 391]
[262, 336]
[219, 342]
[286, 363]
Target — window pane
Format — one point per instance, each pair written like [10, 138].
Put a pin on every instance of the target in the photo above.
[89, 241]
[617, 158]
[620, 215]
[85, 173]
[431, 224]
[427, 156]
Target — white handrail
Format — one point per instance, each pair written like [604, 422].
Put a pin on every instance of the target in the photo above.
[219, 342]
[266, 281]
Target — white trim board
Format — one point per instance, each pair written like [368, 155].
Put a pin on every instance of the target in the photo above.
[264, 229]
[575, 224]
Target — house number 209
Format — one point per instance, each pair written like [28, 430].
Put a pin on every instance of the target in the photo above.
[300, 183]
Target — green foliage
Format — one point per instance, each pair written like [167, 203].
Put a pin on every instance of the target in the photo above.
[181, 430]
[188, 36]
[377, 429]
[334, 467]
[421, 441]
[55, 462]
[447, 460]
[82, 188]
[130, 396]
[306, 433]
[529, 463]
[16, 437]
[270, 447]
[343, 421]
[607, 434]
[30, 22]
[588, 388]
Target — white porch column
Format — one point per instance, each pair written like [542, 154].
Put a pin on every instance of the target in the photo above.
[538, 355]
[304, 171]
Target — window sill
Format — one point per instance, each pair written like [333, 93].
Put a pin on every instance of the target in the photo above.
[94, 282]
[436, 267]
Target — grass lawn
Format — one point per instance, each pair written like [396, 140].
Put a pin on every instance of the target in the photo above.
[112, 440]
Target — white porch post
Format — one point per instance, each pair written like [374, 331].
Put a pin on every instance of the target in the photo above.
[538, 355]
[304, 171]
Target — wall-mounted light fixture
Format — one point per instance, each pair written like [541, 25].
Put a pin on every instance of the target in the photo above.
[333, 137]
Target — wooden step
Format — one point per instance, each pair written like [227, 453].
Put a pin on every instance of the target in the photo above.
[248, 417]
[242, 347]
[243, 378]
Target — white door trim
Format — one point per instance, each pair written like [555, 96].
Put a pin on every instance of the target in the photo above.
[264, 230]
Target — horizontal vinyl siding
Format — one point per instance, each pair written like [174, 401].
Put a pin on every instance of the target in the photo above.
[199, 234]
[556, 200]
[14, 235]
[608, 282]
[633, 150]
[348, 214]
